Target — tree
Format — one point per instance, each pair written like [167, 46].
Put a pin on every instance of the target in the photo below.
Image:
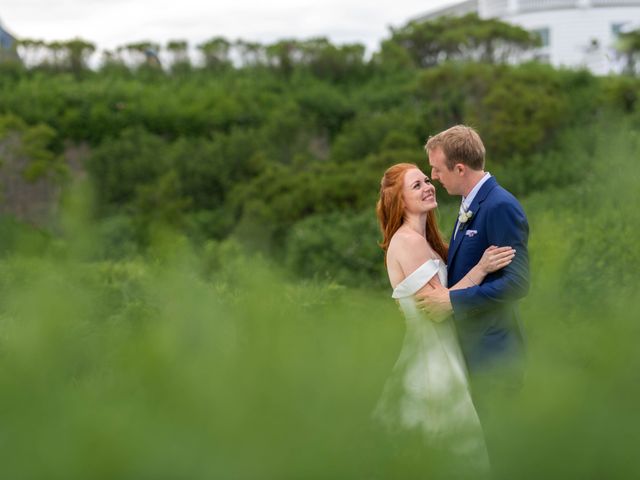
[71, 55]
[120, 165]
[56, 55]
[32, 147]
[332, 62]
[252, 54]
[179, 50]
[77, 55]
[32, 51]
[32, 171]
[112, 61]
[339, 246]
[462, 38]
[628, 47]
[494, 41]
[284, 55]
[216, 53]
[392, 57]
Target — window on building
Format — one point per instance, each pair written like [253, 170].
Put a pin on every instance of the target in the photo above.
[542, 57]
[543, 33]
[617, 28]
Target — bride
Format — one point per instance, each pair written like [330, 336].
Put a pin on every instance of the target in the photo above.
[428, 389]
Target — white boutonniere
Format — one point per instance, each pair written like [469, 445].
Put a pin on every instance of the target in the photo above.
[464, 217]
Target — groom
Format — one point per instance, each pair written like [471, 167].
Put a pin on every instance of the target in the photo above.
[486, 316]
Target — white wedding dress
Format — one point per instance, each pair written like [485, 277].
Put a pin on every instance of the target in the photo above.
[428, 387]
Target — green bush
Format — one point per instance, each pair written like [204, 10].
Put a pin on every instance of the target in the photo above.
[339, 247]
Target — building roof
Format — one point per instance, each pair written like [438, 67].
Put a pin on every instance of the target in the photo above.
[505, 8]
[501, 8]
[455, 10]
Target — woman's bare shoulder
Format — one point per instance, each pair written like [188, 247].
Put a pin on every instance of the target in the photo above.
[404, 239]
[408, 245]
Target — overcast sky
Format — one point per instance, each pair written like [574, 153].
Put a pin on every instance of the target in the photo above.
[110, 23]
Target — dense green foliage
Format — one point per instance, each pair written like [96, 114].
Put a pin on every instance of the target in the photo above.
[214, 364]
[189, 314]
[267, 151]
[629, 49]
[465, 37]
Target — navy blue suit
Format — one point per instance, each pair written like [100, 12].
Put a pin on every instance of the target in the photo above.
[486, 316]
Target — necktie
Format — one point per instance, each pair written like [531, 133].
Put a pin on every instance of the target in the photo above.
[461, 211]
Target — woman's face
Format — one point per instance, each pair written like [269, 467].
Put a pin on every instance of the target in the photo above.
[418, 193]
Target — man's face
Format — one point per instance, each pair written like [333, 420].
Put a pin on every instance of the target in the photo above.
[449, 179]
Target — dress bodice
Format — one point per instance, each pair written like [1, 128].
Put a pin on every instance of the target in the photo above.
[407, 288]
[419, 278]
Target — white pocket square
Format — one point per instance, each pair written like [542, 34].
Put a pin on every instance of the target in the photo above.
[471, 233]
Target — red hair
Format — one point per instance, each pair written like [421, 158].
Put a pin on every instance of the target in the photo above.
[390, 210]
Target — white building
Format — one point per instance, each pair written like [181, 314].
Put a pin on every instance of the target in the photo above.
[7, 41]
[575, 33]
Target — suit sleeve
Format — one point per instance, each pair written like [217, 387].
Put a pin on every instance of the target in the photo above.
[506, 226]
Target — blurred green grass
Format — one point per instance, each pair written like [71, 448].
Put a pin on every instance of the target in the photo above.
[215, 363]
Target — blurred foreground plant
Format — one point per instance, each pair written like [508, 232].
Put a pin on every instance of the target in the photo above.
[211, 363]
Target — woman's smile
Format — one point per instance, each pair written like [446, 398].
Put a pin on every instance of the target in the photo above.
[428, 196]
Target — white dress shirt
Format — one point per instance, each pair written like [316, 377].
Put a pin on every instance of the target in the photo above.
[466, 201]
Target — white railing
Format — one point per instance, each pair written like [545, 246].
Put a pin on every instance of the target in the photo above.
[506, 8]
[494, 8]
[501, 8]
[535, 5]
[615, 3]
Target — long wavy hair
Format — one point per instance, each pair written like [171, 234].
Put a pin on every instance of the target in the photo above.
[390, 211]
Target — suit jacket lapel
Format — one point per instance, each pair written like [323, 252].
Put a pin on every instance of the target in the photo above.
[457, 240]
[489, 185]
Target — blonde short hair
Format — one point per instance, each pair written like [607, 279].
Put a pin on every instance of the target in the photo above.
[460, 144]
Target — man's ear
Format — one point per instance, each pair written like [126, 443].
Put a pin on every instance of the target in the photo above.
[460, 168]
